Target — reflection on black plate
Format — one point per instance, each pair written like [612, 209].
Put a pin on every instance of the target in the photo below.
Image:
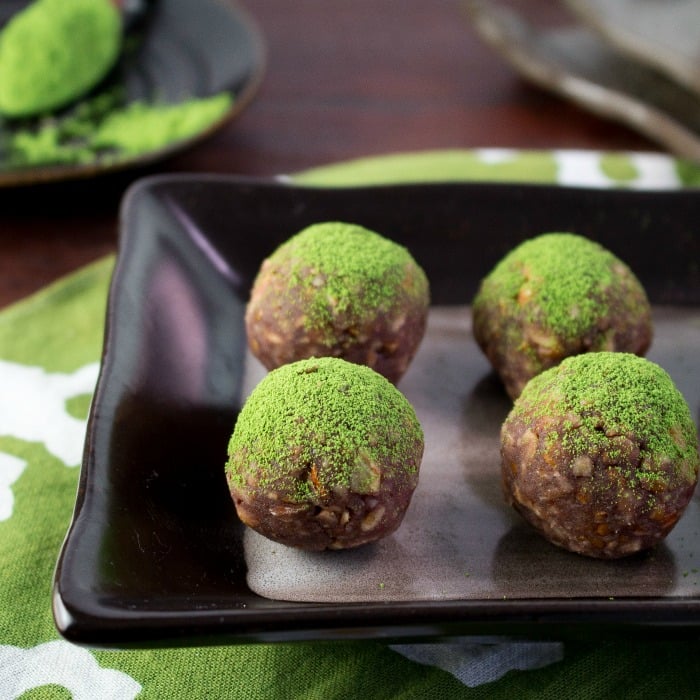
[176, 51]
[155, 553]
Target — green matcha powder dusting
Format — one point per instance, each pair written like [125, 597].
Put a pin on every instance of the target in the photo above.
[566, 276]
[361, 270]
[105, 130]
[338, 416]
[54, 51]
[618, 393]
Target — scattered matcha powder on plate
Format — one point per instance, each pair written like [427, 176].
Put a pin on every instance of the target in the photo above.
[103, 129]
[140, 127]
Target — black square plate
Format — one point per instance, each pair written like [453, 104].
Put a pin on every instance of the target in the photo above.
[155, 553]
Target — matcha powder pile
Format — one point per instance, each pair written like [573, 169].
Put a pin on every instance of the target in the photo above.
[54, 51]
[102, 130]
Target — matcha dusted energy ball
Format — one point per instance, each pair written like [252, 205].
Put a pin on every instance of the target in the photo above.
[325, 454]
[337, 289]
[600, 454]
[553, 296]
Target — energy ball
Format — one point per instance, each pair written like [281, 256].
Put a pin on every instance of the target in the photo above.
[600, 454]
[325, 454]
[554, 296]
[339, 290]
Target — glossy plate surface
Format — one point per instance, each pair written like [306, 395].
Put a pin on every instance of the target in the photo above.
[177, 50]
[155, 553]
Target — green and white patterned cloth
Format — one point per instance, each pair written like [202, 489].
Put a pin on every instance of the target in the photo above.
[50, 344]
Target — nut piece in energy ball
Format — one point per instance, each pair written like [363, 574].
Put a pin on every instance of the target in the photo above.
[325, 454]
[554, 296]
[600, 454]
[339, 290]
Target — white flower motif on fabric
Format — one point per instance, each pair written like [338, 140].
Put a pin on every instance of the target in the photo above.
[33, 408]
[496, 156]
[10, 470]
[655, 171]
[475, 664]
[63, 664]
[583, 169]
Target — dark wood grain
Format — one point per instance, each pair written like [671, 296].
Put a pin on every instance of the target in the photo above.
[344, 79]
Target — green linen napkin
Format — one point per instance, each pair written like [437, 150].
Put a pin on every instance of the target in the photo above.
[50, 345]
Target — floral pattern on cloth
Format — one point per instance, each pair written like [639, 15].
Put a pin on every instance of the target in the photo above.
[571, 168]
[10, 470]
[476, 664]
[33, 408]
[65, 665]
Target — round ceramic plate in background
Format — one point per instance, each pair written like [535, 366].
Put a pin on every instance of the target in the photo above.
[661, 33]
[186, 50]
[576, 63]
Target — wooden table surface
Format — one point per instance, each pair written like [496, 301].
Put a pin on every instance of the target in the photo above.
[344, 79]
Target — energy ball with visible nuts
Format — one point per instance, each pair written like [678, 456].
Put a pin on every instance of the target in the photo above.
[600, 454]
[325, 454]
[339, 290]
[554, 296]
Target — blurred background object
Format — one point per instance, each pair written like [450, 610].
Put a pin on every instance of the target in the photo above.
[182, 70]
[342, 80]
[664, 34]
[578, 63]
